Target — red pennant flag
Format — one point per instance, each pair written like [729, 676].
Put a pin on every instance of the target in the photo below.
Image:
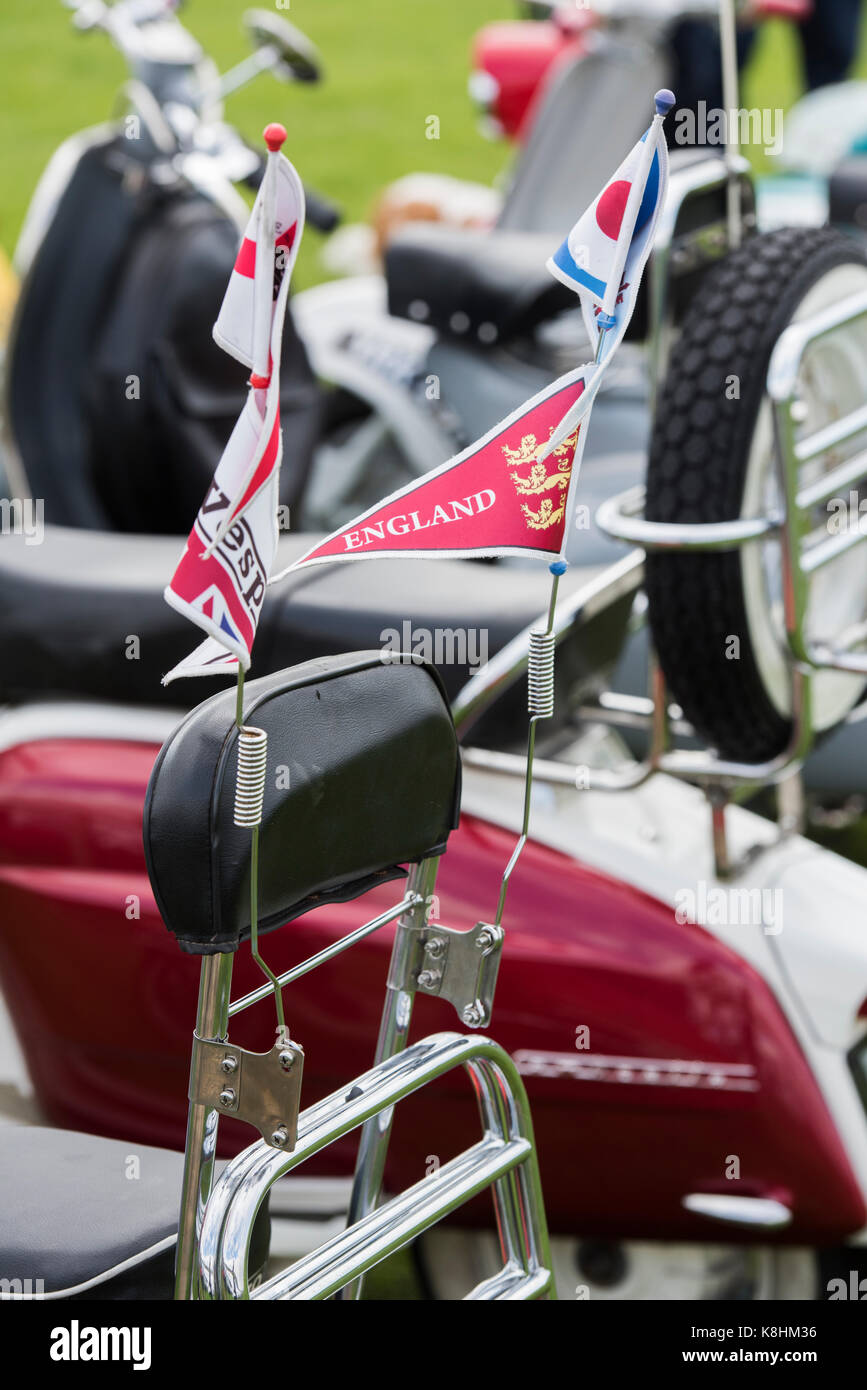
[495, 498]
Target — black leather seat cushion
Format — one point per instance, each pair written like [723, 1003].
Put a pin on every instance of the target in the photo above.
[69, 606]
[76, 1222]
[370, 754]
[481, 287]
[71, 1215]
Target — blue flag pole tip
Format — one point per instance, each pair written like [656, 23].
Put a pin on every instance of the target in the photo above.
[664, 100]
[558, 567]
[605, 321]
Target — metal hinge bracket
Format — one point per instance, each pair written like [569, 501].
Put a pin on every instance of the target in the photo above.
[460, 966]
[261, 1088]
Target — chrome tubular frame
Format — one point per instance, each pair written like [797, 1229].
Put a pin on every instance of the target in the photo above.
[393, 1037]
[621, 518]
[217, 1218]
[504, 1159]
[212, 1021]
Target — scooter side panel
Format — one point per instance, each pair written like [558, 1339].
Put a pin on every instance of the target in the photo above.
[654, 1056]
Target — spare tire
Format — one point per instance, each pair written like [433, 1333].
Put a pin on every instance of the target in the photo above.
[712, 459]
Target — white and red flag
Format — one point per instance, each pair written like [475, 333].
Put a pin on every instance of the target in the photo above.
[604, 255]
[495, 498]
[221, 579]
[511, 492]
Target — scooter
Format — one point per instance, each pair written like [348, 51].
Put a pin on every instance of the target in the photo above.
[735, 1014]
[682, 980]
[149, 197]
[517, 62]
[139, 376]
[69, 1226]
[463, 326]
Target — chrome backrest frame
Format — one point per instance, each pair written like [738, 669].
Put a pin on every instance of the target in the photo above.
[216, 1219]
[505, 1160]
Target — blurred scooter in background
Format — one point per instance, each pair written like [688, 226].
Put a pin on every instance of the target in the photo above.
[142, 401]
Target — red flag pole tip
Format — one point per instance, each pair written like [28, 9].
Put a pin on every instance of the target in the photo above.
[259, 382]
[274, 136]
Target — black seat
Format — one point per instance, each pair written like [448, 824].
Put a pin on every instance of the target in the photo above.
[70, 606]
[482, 287]
[79, 1221]
[75, 1216]
[487, 288]
[371, 781]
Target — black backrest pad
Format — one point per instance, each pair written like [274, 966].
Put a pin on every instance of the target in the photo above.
[369, 752]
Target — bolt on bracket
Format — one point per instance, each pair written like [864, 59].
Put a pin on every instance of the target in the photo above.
[263, 1089]
[460, 966]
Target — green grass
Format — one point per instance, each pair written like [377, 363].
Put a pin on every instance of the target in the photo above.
[389, 64]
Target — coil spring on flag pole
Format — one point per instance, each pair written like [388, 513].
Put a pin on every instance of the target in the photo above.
[540, 675]
[250, 783]
[249, 799]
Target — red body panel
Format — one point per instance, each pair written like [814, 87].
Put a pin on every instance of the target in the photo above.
[521, 55]
[104, 1002]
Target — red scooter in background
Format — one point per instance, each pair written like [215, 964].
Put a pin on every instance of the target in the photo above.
[512, 60]
[516, 63]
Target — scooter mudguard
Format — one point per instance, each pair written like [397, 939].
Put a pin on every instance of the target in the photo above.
[650, 1050]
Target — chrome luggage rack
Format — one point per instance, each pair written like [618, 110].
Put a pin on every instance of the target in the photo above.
[263, 1090]
[621, 517]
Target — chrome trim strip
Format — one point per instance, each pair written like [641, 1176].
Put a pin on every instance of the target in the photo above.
[638, 1071]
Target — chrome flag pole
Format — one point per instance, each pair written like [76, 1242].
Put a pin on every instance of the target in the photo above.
[540, 686]
[472, 504]
[252, 742]
[221, 580]
[274, 136]
[542, 653]
[663, 102]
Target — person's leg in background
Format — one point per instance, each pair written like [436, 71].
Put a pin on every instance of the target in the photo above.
[697, 74]
[829, 39]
